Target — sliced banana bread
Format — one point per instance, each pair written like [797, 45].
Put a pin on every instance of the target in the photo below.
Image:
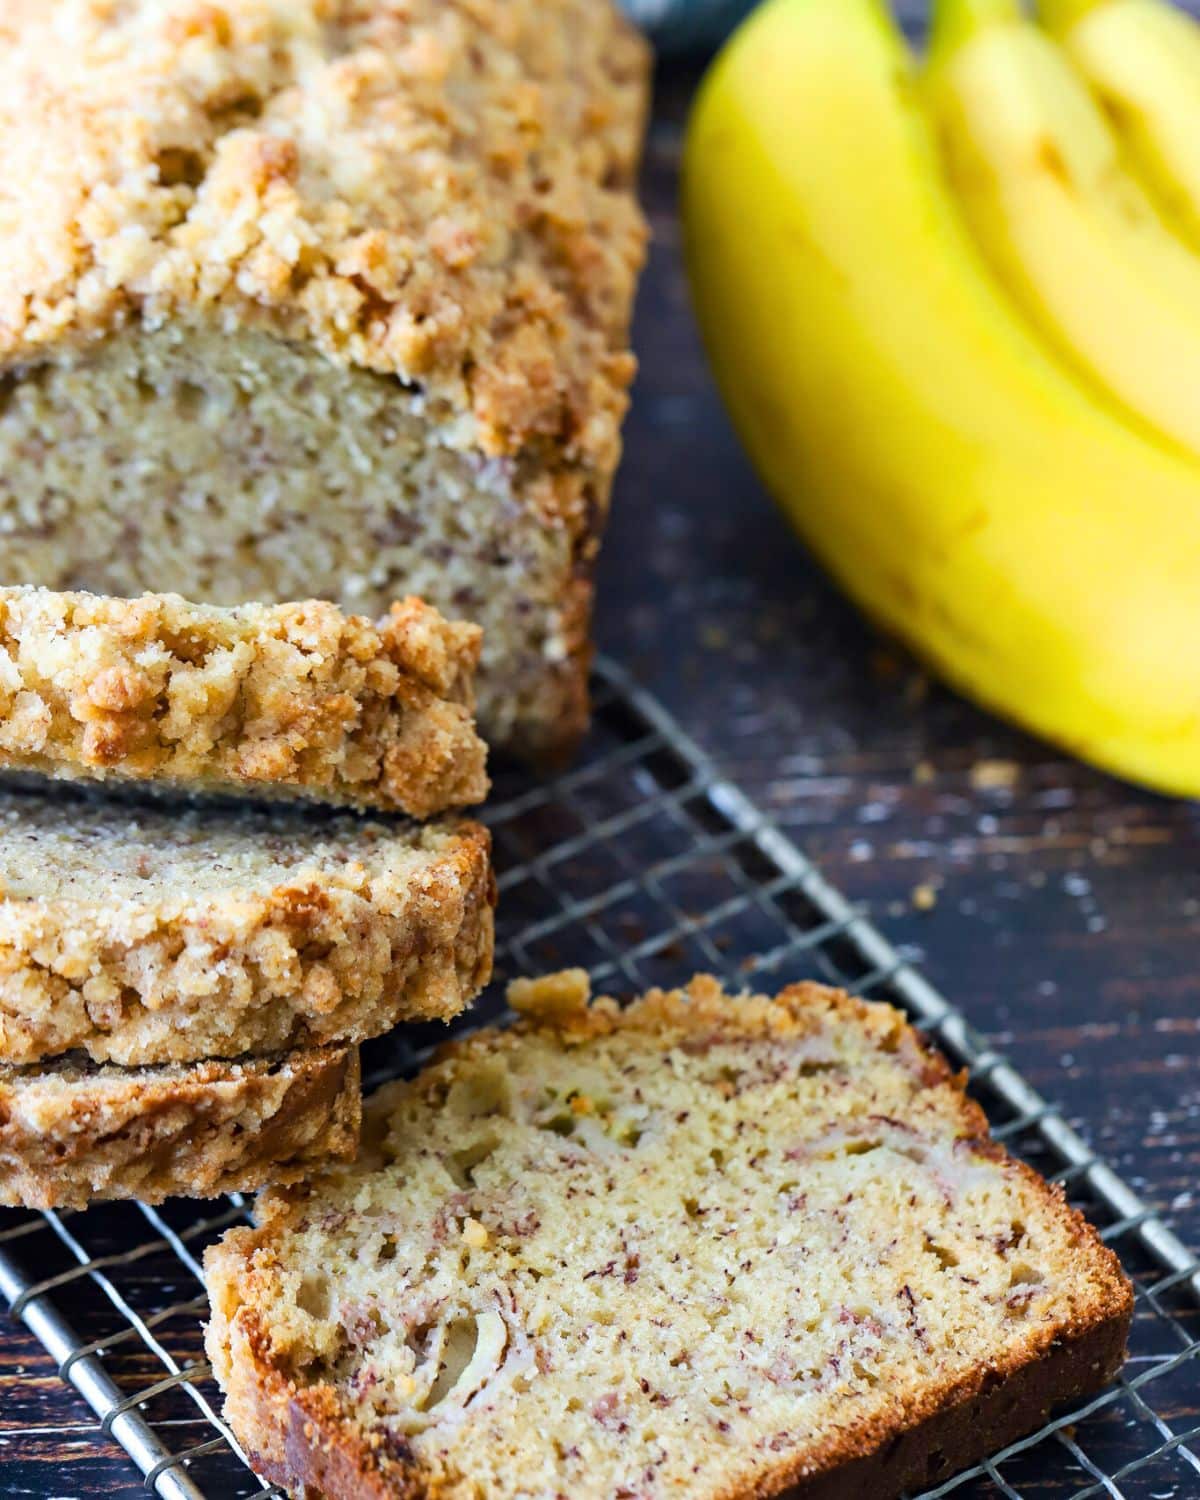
[326, 297]
[287, 700]
[142, 934]
[73, 1131]
[703, 1246]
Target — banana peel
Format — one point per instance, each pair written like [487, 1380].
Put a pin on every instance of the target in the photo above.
[1141, 59]
[962, 485]
[1041, 179]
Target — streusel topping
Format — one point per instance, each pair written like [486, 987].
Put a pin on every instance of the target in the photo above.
[433, 189]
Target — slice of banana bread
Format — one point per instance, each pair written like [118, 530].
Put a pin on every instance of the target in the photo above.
[143, 934]
[73, 1131]
[704, 1246]
[288, 700]
[328, 297]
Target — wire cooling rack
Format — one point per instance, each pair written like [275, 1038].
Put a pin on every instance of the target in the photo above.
[643, 865]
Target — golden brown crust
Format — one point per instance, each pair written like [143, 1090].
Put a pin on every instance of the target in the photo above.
[301, 1434]
[983, 1415]
[311, 1451]
[74, 1133]
[287, 700]
[438, 190]
[362, 926]
[562, 1003]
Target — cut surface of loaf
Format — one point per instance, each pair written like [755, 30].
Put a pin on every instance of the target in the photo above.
[72, 1131]
[704, 1246]
[144, 934]
[324, 298]
[289, 700]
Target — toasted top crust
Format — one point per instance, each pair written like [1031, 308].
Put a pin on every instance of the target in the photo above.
[433, 189]
[702, 1245]
[294, 700]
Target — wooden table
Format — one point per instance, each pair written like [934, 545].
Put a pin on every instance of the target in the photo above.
[1059, 907]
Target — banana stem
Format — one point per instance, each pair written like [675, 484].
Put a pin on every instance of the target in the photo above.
[1059, 16]
[955, 22]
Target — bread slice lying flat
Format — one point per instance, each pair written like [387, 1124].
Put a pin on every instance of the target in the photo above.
[76, 1131]
[284, 700]
[143, 934]
[705, 1246]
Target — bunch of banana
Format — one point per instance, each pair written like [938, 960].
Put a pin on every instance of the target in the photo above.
[958, 370]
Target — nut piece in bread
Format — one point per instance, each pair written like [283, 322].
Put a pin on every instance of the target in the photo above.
[706, 1245]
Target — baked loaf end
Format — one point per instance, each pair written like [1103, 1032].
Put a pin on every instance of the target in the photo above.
[143, 934]
[72, 1132]
[288, 700]
[324, 298]
[708, 1246]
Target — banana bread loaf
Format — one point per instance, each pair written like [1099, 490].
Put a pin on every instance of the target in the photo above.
[287, 700]
[326, 297]
[145, 934]
[72, 1131]
[704, 1246]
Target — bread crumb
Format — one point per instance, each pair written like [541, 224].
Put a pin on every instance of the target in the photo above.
[994, 775]
[553, 996]
[924, 897]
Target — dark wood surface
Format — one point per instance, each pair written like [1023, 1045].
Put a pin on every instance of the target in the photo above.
[1065, 911]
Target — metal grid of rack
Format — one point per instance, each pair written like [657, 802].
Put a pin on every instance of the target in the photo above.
[643, 865]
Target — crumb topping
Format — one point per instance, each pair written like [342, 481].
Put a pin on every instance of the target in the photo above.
[288, 700]
[437, 190]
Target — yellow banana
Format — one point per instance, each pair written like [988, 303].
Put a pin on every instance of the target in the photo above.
[1069, 231]
[967, 491]
[1142, 60]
